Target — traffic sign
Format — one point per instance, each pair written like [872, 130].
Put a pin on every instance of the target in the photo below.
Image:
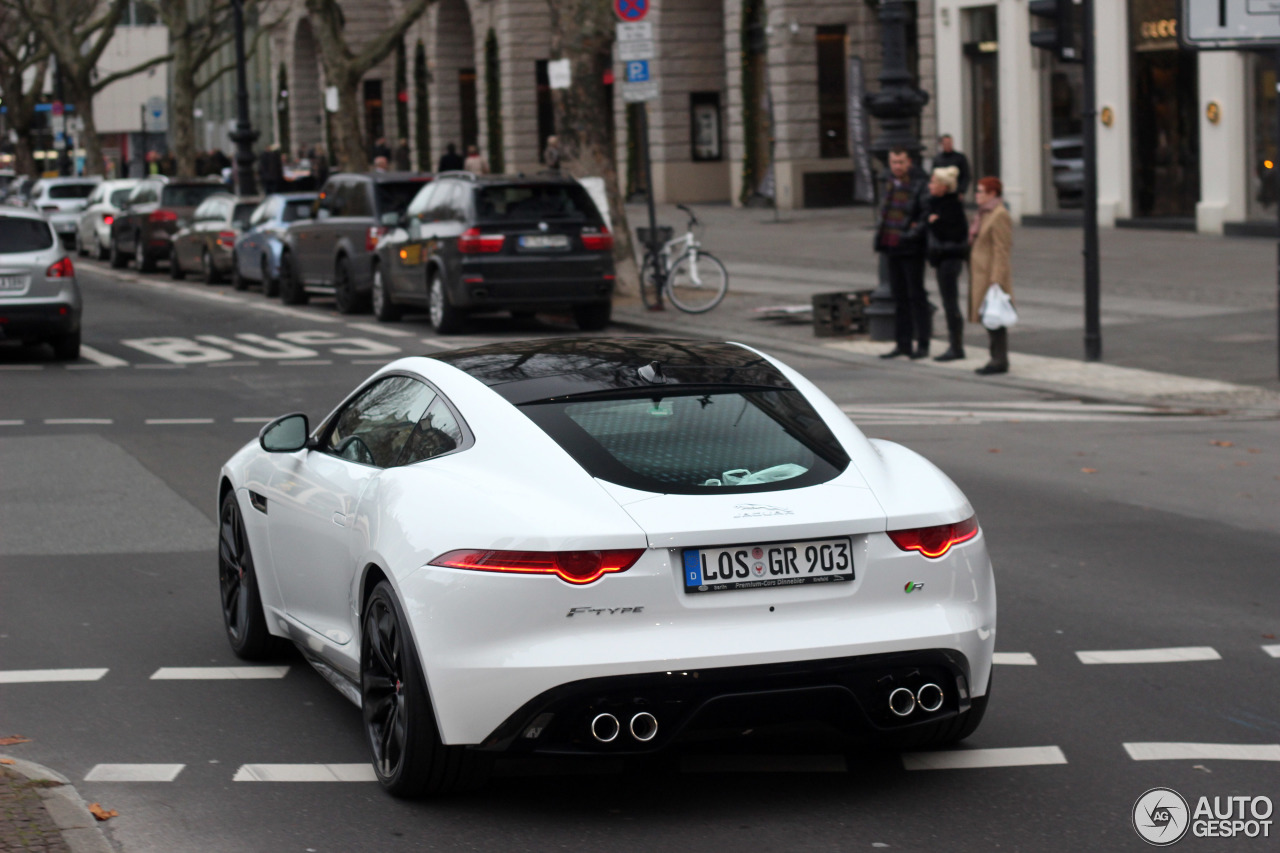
[634, 93]
[631, 10]
[157, 115]
[1230, 24]
[638, 71]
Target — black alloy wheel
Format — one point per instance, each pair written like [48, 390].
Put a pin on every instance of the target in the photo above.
[408, 756]
[445, 319]
[292, 291]
[384, 310]
[345, 297]
[241, 604]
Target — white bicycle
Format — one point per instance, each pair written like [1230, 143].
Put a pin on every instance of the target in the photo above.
[695, 282]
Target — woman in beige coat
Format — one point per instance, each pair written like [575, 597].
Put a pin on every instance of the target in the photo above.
[990, 262]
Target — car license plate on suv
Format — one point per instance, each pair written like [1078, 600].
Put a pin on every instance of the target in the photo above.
[14, 282]
[772, 565]
[544, 241]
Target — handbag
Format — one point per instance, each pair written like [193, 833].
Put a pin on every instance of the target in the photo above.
[997, 309]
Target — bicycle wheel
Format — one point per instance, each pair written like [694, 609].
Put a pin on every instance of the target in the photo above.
[698, 286]
[649, 281]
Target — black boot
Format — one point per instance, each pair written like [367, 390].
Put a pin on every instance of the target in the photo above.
[952, 354]
[999, 362]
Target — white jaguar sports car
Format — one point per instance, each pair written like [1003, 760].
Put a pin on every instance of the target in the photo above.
[604, 546]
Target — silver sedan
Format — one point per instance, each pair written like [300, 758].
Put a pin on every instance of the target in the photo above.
[39, 297]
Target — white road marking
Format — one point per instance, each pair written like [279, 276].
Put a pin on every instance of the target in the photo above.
[257, 346]
[235, 364]
[252, 420]
[21, 367]
[968, 759]
[40, 676]
[1013, 659]
[339, 345]
[763, 764]
[134, 772]
[12, 423]
[1274, 651]
[215, 673]
[176, 421]
[178, 350]
[380, 330]
[101, 358]
[1174, 655]
[305, 773]
[76, 421]
[1203, 751]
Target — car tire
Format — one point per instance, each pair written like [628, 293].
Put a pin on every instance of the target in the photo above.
[270, 286]
[176, 272]
[118, 259]
[208, 272]
[408, 757]
[242, 615]
[238, 282]
[81, 249]
[145, 261]
[594, 316]
[67, 347]
[292, 291]
[445, 319]
[345, 297]
[384, 310]
[103, 252]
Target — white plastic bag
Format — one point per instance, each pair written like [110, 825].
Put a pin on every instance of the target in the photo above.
[997, 309]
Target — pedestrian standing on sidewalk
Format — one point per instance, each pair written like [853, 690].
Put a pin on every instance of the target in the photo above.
[990, 262]
[900, 236]
[948, 249]
[948, 156]
[475, 163]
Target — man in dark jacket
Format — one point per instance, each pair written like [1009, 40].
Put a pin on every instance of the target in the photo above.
[900, 236]
[451, 160]
[948, 156]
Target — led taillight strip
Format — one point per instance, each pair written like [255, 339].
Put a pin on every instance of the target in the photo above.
[936, 541]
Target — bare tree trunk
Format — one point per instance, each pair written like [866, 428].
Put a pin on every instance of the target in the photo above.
[182, 119]
[82, 96]
[348, 140]
[582, 31]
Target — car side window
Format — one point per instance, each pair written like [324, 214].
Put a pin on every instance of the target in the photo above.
[358, 202]
[436, 434]
[203, 212]
[423, 202]
[336, 200]
[373, 428]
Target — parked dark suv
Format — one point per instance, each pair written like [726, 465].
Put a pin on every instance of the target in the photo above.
[331, 252]
[155, 210]
[497, 243]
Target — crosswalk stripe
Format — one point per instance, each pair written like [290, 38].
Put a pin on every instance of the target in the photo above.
[36, 676]
[213, 673]
[134, 772]
[1013, 659]
[763, 764]
[970, 759]
[1201, 751]
[1174, 655]
[1274, 651]
[100, 358]
[305, 773]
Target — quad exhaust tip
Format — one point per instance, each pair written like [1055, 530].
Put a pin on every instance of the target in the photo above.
[929, 697]
[605, 728]
[902, 702]
[644, 727]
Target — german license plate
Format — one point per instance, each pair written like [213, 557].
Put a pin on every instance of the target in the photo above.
[544, 241]
[14, 282]
[772, 565]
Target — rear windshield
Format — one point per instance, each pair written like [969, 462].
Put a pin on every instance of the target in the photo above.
[727, 441]
[536, 202]
[295, 210]
[119, 197]
[23, 235]
[189, 195]
[71, 190]
[395, 197]
[243, 211]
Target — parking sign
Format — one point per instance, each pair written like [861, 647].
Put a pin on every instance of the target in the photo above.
[631, 10]
[638, 71]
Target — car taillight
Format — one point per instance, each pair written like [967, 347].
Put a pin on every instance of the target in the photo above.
[472, 242]
[108, 219]
[935, 541]
[576, 567]
[226, 238]
[162, 216]
[597, 239]
[62, 269]
[372, 236]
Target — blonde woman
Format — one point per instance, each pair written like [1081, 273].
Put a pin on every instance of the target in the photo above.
[990, 262]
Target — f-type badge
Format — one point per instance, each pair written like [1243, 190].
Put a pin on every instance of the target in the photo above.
[912, 586]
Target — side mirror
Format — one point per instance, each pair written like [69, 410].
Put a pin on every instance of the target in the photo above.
[392, 219]
[286, 434]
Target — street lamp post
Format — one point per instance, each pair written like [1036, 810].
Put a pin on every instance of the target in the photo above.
[897, 105]
[244, 134]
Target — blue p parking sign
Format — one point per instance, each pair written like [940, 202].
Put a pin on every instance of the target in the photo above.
[638, 71]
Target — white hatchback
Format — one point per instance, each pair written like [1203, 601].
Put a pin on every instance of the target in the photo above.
[93, 228]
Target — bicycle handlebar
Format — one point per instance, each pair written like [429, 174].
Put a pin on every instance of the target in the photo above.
[693, 219]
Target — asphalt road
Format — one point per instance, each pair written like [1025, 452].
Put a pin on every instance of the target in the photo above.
[1111, 529]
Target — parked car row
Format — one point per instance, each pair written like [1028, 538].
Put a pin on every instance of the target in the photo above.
[388, 242]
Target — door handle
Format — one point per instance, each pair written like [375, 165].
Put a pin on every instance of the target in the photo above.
[339, 519]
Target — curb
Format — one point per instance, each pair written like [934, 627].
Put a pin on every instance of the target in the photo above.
[66, 807]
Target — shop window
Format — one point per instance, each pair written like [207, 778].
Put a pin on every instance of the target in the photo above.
[833, 98]
[704, 118]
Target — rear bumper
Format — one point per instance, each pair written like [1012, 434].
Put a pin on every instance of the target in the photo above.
[533, 282]
[848, 695]
[39, 320]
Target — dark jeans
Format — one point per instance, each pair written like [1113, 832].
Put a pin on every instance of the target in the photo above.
[911, 303]
[949, 289]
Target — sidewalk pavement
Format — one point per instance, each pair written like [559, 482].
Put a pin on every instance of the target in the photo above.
[1187, 319]
[40, 811]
